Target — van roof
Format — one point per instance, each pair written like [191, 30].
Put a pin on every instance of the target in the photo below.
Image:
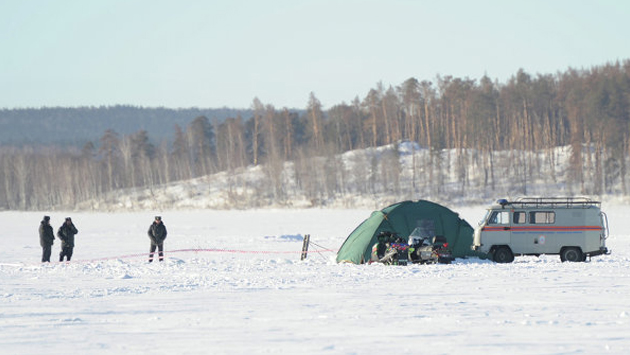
[553, 202]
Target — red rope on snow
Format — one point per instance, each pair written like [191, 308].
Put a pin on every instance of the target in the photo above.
[195, 250]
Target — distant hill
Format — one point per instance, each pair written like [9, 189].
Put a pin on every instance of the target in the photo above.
[365, 183]
[77, 126]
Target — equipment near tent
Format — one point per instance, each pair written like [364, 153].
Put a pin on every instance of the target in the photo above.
[427, 218]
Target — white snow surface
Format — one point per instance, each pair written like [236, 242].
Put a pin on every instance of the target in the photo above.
[245, 291]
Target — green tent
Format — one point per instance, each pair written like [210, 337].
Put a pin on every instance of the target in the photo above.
[402, 218]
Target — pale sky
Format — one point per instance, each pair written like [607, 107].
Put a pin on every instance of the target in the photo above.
[210, 54]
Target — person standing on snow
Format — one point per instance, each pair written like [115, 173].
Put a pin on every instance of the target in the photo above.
[66, 233]
[157, 234]
[46, 238]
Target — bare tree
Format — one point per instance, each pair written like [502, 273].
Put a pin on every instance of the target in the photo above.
[259, 109]
[316, 117]
[109, 149]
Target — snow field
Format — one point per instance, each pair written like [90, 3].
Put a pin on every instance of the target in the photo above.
[110, 300]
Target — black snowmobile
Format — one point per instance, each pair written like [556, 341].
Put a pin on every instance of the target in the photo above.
[429, 250]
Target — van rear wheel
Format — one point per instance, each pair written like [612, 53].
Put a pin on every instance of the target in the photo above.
[572, 254]
[502, 255]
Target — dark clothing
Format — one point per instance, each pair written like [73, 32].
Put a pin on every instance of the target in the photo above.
[157, 234]
[66, 233]
[46, 251]
[46, 240]
[46, 235]
[67, 252]
[160, 249]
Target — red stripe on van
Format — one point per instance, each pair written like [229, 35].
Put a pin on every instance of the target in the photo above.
[542, 228]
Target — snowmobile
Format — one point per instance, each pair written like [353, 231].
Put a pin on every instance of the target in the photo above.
[390, 250]
[429, 250]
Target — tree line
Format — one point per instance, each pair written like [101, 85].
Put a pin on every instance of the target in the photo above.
[507, 133]
[67, 126]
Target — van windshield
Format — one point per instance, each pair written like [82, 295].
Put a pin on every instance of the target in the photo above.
[485, 217]
[499, 217]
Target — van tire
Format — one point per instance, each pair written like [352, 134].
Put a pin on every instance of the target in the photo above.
[502, 255]
[571, 254]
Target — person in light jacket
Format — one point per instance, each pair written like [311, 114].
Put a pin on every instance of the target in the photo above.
[157, 234]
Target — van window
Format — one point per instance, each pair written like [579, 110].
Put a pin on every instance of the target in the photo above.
[542, 217]
[499, 217]
[520, 217]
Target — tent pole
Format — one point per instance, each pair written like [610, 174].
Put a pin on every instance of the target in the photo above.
[307, 239]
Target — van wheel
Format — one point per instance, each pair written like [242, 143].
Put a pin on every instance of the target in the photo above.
[571, 254]
[503, 255]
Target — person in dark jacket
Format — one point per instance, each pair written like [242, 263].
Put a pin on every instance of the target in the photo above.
[157, 234]
[66, 233]
[46, 238]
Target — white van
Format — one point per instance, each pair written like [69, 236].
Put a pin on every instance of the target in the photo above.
[573, 227]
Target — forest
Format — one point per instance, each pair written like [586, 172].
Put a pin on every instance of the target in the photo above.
[66, 126]
[479, 121]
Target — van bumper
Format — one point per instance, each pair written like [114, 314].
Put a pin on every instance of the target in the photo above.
[601, 251]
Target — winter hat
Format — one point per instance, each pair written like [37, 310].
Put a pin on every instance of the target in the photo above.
[158, 218]
[46, 218]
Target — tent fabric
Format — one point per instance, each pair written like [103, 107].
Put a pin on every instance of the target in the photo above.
[402, 218]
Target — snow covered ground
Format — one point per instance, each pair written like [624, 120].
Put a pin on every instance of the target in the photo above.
[255, 295]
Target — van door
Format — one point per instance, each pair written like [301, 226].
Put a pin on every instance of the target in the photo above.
[548, 239]
[497, 229]
[524, 238]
